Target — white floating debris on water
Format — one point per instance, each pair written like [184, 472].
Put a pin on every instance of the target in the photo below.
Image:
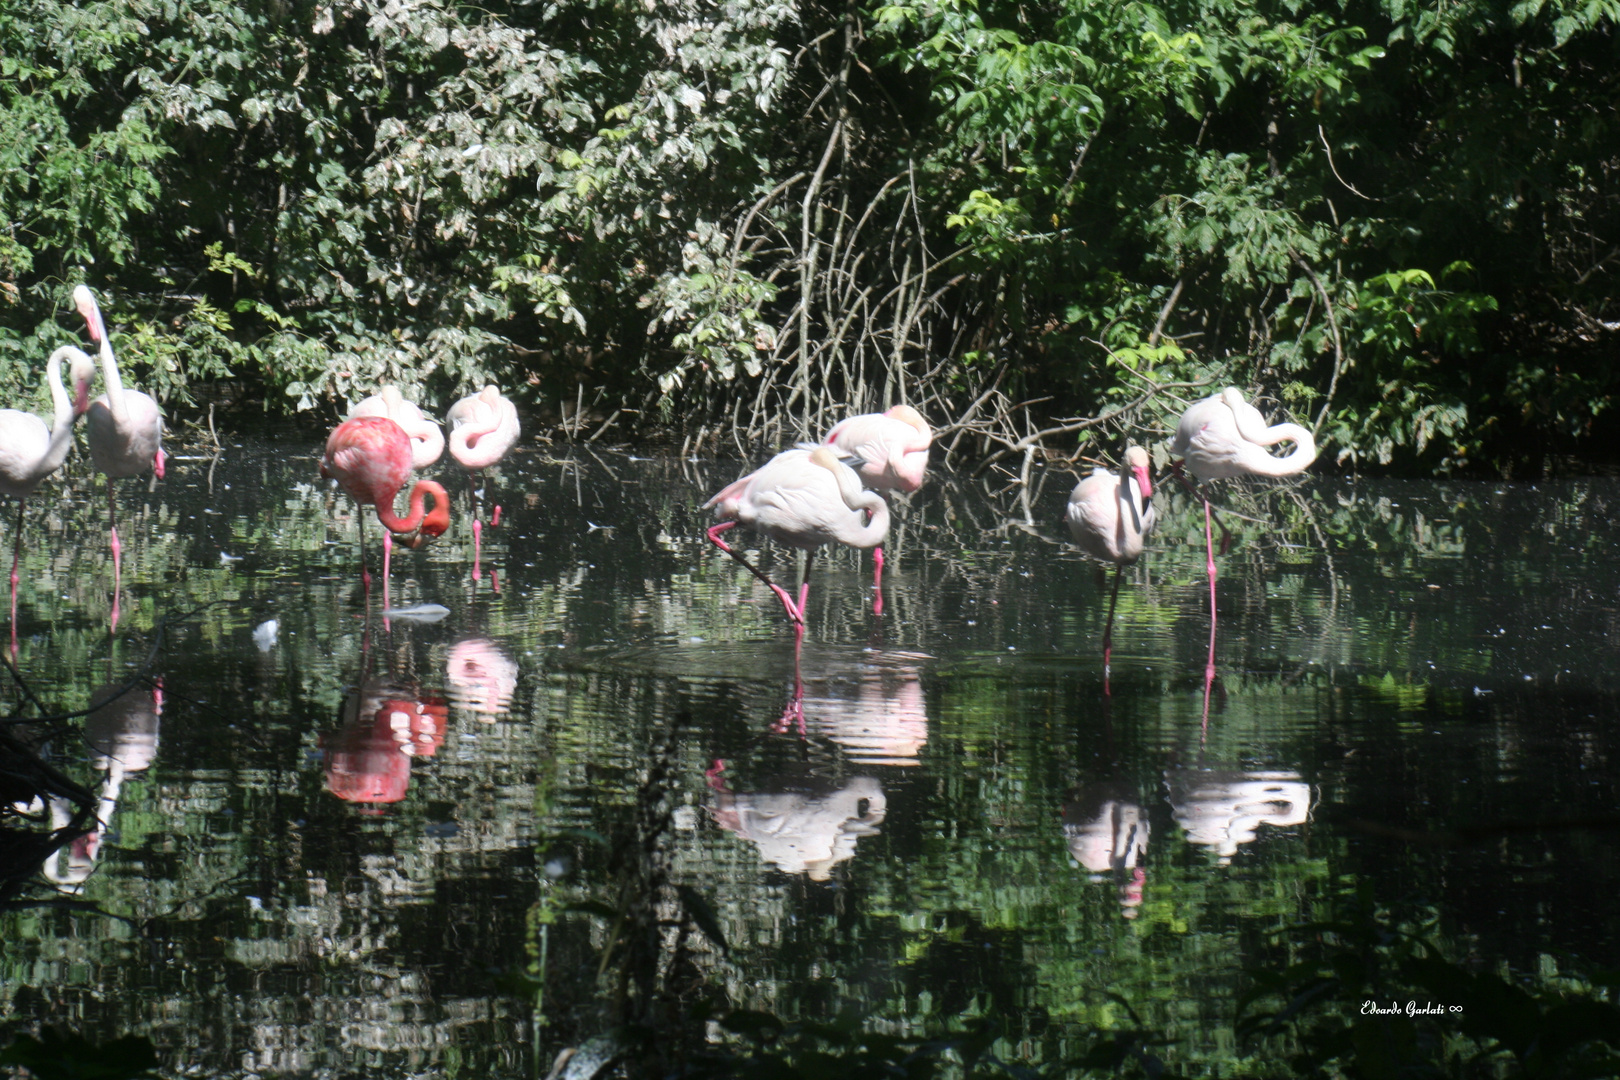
[227, 557]
[418, 612]
[264, 635]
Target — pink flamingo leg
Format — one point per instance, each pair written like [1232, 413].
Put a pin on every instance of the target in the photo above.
[16, 554]
[804, 585]
[1209, 680]
[1209, 548]
[388, 554]
[877, 581]
[494, 582]
[781, 593]
[478, 532]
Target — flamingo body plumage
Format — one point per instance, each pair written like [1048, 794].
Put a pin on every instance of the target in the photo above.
[483, 427]
[1223, 436]
[892, 447]
[1110, 512]
[427, 438]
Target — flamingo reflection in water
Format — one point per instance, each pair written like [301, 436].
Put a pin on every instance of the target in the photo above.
[808, 827]
[385, 725]
[1223, 809]
[482, 676]
[122, 733]
[1106, 831]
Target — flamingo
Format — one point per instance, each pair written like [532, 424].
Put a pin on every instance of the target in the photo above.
[1109, 516]
[893, 451]
[1224, 436]
[370, 456]
[427, 439]
[483, 427]
[802, 498]
[126, 426]
[29, 452]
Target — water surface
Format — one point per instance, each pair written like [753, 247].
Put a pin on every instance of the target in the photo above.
[328, 843]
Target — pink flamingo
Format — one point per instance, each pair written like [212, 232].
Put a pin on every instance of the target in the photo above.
[1224, 436]
[427, 439]
[893, 451]
[29, 452]
[801, 498]
[1109, 516]
[483, 427]
[126, 426]
[370, 456]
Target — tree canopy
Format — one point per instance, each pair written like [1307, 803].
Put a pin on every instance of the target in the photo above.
[1035, 221]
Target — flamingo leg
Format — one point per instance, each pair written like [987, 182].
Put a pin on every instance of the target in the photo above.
[1186, 485]
[793, 715]
[1209, 549]
[478, 532]
[388, 554]
[477, 523]
[16, 556]
[804, 583]
[1108, 627]
[877, 580]
[112, 532]
[714, 532]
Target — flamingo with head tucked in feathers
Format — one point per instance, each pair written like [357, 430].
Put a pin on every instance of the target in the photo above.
[427, 438]
[125, 426]
[892, 450]
[370, 457]
[483, 427]
[800, 498]
[1110, 514]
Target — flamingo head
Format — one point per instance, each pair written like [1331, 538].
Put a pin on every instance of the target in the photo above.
[1136, 460]
[85, 301]
[81, 373]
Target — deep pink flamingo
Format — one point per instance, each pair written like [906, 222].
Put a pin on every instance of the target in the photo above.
[892, 448]
[483, 427]
[29, 452]
[126, 427]
[370, 457]
[801, 498]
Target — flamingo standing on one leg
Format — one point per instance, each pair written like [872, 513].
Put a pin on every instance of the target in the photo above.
[893, 451]
[370, 456]
[427, 438]
[1224, 436]
[1109, 516]
[126, 427]
[29, 452]
[801, 498]
[483, 427]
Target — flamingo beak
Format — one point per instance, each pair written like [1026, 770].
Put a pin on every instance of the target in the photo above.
[81, 397]
[157, 463]
[92, 317]
[1143, 484]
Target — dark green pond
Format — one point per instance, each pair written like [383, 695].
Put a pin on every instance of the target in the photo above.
[329, 848]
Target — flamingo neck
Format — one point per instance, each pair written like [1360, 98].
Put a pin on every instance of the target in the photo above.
[466, 434]
[857, 498]
[62, 428]
[1261, 463]
[433, 522]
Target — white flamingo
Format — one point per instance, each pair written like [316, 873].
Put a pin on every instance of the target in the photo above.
[29, 451]
[427, 438]
[892, 448]
[126, 426]
[483, 427]
[1110, 514]
[801, 498]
